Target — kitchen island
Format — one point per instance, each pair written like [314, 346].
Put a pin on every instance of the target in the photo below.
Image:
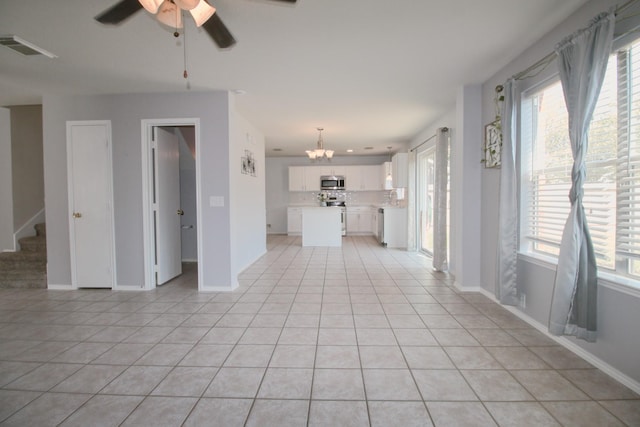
[321, 226]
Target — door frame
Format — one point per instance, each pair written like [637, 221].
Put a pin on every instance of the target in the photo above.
[109, 196]
[147, 126]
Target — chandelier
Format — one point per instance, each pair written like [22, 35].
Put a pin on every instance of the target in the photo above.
[320, 153]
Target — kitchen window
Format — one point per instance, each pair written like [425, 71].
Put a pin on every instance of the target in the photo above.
[612, 186]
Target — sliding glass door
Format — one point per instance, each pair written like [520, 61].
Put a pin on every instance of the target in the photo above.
[426, 176]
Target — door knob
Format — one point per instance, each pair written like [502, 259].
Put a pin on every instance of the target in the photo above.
[180, 212]
[77, 214]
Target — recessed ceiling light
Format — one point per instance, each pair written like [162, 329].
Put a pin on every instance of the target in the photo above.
[368, 148]
[239, 91]
[349, 150]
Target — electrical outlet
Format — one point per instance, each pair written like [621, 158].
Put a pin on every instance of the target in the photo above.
[523, 300]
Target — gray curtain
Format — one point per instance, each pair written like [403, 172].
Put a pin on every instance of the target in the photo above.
[411, 202]
[440, 200]
[582, 61]
[506, 280]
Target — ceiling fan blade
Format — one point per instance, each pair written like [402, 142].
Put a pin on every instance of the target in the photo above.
[219, 32]
[119, 12]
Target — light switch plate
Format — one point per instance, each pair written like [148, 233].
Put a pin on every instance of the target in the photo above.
[216, 201]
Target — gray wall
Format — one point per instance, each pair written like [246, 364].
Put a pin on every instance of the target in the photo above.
[126, 113]
[277, 183]
[618, 307]
[27, 164]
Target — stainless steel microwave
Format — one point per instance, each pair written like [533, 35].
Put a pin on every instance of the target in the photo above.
[331, 182]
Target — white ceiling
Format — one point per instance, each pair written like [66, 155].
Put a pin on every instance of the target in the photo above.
[371, 72]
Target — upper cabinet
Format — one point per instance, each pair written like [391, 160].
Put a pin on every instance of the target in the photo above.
[357, 178]
[363, 178]
[399, 170]
[304, 178]
[297, 179]
[331, 170]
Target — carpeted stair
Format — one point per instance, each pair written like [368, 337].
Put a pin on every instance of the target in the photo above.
[26, 268]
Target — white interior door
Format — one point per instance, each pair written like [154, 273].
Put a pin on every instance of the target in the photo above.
[167, 205]
[91, 231]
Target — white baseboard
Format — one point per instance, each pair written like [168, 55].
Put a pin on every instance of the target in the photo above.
[129, 288]
[55, 287]
[569, 345]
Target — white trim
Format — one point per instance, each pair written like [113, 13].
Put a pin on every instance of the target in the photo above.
[225, 289]
[27, 228]
[147, 126]
[68, 287]
[605, 279]
[109, 196]
[571, 346]
[131, 288]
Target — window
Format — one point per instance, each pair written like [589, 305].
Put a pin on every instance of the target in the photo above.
[612, 186]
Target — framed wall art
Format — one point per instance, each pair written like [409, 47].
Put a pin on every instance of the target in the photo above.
[492, 145]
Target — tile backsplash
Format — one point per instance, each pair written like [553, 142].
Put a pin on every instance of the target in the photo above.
[352, 198]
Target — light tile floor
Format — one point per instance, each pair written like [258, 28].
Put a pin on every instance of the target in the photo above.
[351, 336]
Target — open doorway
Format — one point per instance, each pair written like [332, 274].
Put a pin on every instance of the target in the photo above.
[171, 207]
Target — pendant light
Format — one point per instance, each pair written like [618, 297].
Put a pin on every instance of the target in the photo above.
[388, 180]
[320, 153]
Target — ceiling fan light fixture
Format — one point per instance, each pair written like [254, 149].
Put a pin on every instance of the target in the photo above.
[169, 15]
[311, 154]
[202, 12]
[187, 4]
[151, 5]
[329, 154]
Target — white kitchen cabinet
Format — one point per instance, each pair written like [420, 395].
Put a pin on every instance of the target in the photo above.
[297, 178]
[331, 170]
[363, 178]
[304, 178]
[400, 170]
[395, 227]
[312, 178]
[371, 178]
[360, 220]
[294, 221]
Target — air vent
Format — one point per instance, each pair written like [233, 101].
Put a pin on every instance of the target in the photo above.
[23, 46]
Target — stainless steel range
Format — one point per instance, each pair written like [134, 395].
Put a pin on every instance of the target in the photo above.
[343, 212]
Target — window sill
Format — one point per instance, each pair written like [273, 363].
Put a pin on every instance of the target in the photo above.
[618, 283]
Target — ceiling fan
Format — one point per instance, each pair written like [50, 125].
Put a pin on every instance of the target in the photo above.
[169, 12]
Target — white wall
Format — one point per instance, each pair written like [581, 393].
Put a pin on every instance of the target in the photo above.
[277, 184]
[248, 217]
[126, 113]
[618, 342]
[6, 191]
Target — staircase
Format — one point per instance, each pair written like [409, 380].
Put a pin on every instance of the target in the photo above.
[26, 268]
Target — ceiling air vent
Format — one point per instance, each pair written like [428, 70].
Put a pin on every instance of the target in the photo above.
[23, 46]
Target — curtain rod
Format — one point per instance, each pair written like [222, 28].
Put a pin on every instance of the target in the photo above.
[444, 129]
[547, 59]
